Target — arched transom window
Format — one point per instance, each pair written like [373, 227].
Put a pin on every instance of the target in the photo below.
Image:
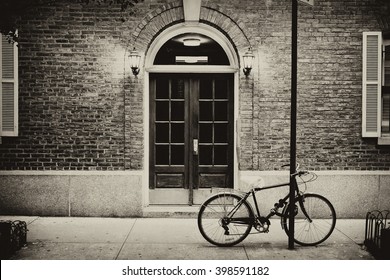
[191, 49]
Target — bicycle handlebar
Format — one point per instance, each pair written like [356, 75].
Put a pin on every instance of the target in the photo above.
[287, 165]
[297, 173]
[300, 173]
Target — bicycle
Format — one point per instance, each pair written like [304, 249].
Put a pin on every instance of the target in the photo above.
[226, 218]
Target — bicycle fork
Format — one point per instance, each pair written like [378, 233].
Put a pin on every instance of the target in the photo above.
[301, 200]
[286, 211]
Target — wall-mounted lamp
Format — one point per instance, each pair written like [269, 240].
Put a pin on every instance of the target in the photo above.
[248, 58]
[135, 59]
[191, 42]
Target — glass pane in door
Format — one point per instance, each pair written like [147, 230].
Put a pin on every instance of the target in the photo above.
[168, 146]
[213, 122]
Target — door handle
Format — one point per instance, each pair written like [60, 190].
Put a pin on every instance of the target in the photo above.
[196, 147]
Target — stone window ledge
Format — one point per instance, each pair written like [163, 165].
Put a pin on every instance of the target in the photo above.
[384, 140]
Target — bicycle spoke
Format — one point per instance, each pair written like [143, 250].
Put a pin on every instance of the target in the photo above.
[223, 221]
[321, 223]
[309, 231]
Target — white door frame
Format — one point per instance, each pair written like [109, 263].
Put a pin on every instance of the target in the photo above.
[150, 55]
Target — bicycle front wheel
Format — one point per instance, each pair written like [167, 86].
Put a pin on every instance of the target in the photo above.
[225, 220]
[314, 221]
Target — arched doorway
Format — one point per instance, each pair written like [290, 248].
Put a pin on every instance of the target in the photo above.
[191, 74]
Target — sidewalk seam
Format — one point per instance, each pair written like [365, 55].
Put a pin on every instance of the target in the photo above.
[37, 218]
[347, 236]
[124, 242]
[246, 253]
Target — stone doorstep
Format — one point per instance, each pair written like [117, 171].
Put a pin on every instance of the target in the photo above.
[171, 211]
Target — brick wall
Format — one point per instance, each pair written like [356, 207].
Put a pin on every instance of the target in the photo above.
[329, 85]
[72, 90]
[81, 109]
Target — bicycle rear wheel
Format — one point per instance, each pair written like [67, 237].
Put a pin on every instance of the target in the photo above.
[218, 227]
[314, 222]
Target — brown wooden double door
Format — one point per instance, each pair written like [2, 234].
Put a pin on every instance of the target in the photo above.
[191, 133]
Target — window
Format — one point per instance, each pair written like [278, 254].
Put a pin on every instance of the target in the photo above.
[191, 48]
[376, 87]
[8, 88]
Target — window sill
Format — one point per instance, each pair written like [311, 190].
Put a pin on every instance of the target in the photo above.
[384, 140]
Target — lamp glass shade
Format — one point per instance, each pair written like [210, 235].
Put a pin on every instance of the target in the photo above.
[135, 59]
[248, 58]
[191, 42]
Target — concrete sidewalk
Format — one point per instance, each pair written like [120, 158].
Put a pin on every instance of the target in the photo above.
[70, 238]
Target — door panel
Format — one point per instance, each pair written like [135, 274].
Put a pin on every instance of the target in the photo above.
[215, 122]
[171, 180]
[168, 133]
[211, 179]
[191, 132]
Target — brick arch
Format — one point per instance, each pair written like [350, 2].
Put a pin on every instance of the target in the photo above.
[228, 24]
[167, 15]
[155, 22]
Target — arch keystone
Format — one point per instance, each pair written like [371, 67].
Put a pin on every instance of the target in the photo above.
[191, 10]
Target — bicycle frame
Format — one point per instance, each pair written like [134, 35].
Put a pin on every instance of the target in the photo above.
[273, 211]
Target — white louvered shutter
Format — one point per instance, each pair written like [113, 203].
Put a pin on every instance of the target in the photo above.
[9, 88]
[372, 68]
